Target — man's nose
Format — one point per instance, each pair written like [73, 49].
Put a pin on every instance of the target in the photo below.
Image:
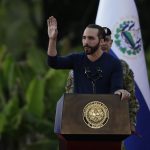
[86, 41]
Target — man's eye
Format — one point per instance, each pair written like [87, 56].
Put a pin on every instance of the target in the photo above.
[106, 39]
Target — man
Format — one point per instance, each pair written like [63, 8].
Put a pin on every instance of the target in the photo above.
[93, 70]
[128, 80]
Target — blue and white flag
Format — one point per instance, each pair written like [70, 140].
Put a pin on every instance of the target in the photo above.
[122, 18]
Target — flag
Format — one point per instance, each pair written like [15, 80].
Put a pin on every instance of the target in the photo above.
[122, 18]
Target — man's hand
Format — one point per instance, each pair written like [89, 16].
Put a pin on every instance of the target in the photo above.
[52, 28]
[124, 94]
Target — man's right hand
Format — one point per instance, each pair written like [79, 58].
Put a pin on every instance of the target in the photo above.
[52, 28]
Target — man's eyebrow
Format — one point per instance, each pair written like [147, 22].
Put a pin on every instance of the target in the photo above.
[90, 36]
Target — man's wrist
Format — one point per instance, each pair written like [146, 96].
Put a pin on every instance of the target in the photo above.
[52, 39]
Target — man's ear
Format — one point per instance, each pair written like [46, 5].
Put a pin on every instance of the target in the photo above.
[101, 41]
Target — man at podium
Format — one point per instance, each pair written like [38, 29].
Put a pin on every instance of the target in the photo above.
[128, 80]
[94, 71]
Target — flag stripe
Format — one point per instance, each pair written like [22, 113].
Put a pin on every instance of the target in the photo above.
[136, 142]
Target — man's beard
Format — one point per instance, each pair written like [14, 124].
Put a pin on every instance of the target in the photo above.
[92, 49]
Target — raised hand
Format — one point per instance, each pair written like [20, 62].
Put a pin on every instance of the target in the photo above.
[52, 27]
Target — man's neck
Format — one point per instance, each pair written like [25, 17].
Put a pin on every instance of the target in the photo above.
[93, 57]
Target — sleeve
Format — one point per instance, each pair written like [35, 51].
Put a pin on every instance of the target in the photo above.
[70, 83]
[117, 77]
[61, 62]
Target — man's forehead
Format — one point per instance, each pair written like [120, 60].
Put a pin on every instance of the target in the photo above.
[108, 37]
[90, 31]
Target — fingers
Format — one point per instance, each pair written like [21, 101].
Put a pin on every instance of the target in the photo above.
[125, 95]
[118, 92]
[52, 27]
[51, 21]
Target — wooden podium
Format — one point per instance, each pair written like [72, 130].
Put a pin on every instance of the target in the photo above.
[91, 122]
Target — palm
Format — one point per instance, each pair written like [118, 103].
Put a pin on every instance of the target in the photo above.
[52, 27]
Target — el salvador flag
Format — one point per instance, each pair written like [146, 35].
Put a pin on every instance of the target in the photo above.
[122, 18]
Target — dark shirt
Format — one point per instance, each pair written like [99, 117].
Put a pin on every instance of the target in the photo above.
[105, 73]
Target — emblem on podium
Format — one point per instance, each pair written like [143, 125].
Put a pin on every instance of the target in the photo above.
[95, 114]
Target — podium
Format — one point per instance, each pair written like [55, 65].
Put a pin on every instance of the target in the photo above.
[91, 122]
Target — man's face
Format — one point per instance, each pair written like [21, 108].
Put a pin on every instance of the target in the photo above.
[106, 44]
[90, 40]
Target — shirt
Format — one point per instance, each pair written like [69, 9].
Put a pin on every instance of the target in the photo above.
[102, 76]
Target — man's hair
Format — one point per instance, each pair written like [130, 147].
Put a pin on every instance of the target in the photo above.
[107, 31]
[101, 33]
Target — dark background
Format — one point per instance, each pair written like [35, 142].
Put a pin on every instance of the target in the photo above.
[73, 16]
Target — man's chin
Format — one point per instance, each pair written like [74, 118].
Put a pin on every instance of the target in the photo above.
[88, 52]
[104, 50]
